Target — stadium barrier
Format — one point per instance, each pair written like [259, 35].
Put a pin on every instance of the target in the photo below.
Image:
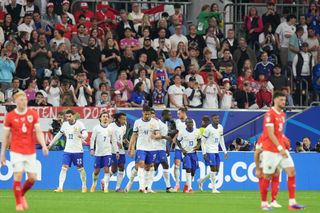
[236, 173]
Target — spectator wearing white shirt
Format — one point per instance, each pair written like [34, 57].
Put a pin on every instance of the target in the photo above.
[177, 97]
[193, 73]
[283, 33]
[177, 37]
[53, 92]
[146, 81]
[26, 26]
[313, 43]
[194, 93]
[162, 43]
[211, 90]
[83, 91]
[136, 16]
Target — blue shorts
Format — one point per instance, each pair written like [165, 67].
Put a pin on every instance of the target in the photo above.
[178, 155]
[148, 157]
[190, 161]
[161, 157]
[213, 159]
[122, 159]
[102, 161]
[72, 158]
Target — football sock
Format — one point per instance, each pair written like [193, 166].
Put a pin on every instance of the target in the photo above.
[166, 178]
[132, 175]
[264, 189]
[106, 180]
[62, 177]
[94, 178]
[83, 177]
[17, 191]
[292, 190]
[177, 174]
[150, 178]
[275, 187]
[202, 180]
[27, 186]
[141, 177]
[188, 177]
[119, 179]
[213, 179]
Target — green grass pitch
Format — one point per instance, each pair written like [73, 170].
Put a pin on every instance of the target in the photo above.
[44, 201]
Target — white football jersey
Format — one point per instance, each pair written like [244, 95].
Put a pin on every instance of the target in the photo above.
[72, 132]
[117, 137]
[144, 129]
[162, 143]
[101, 140]
[211, 139]
[181, 125]
[189, 140]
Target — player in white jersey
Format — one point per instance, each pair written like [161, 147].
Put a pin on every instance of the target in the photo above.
[145, 130]
[188, 141]
[100, 147]
[75, 133]
[211, 139]
[180, 125]
[118, 153]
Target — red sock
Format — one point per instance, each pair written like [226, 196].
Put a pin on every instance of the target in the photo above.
[17, 191]
[275, 187]
[27, 185]
[292, 187]
[264, 189]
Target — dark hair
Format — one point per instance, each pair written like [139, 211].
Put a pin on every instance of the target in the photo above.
[104, 93]
[81, 16]
[137, 87]
[205, 118]
[299, 28]
[176, 6]
[39, 93]
[61, 113]
[70, 111]
[183, 109]
[291, 16]
[102, 84]
[79, 25]
[214, 115]
[117, 116]
[278, 94]
[164, 112]
[146, 108]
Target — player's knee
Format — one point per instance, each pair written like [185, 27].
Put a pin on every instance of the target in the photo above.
[291, 172]
[65, 167]
[165, 166]
[177, 162]
[121, 168]
[17, 176]
[32, 177]
[188, 170]
[147, 167]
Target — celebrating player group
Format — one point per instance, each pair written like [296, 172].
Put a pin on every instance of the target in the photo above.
[149, 144]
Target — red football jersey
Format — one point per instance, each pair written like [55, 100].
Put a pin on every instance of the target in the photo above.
[22, 127]
[277, 120]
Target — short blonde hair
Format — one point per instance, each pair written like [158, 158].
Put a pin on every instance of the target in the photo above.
[18, 94]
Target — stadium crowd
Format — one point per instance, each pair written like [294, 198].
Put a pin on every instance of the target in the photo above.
[128, 59]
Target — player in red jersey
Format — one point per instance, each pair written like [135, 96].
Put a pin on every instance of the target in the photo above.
[275, 153]
[18, 133]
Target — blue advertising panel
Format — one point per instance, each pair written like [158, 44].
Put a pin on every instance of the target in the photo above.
[237, 173]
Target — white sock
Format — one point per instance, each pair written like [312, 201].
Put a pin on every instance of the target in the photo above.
[264, 203]
[213, 178]
[95, 179]
[150, 179]
[177, 174]
[62, 177]
[188, 176]
[166, 178]
[119, 179]
[83, 177]
[132, 175]
[292, 202]
[106, 180]
[202, 180]
[111, 173]
[147, 178]
[141, 177]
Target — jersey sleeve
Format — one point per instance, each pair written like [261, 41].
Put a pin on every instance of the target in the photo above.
[35, 118]
[82, 127]
[135, 127]
[206, 133]
[269, 119]
[156, 125]
[198, 134]
[63, 128]
[8, 121]
[93, 138]
[180, 137]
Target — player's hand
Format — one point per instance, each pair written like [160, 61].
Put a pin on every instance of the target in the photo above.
[120, 145]
[131, 153]
[226, 156]
[153, 136]
[184, 152]
[118, 156]
[258, 172]
[45, 151]
[92, 152]
[3, 160]
[284, 153]
[125, 141]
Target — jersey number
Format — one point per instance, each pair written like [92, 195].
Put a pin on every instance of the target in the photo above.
[104, 138]
[280, 127]
[70, 136]
[190, 143]
[24, 128]
[146, 132]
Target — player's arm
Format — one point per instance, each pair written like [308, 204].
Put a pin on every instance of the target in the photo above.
[83, 133]
[223, 146]
[257, 154]
[274, 140]
[116, 142]
[132, 144]
[5, 144]
[41, 140]
[93, 141]
[156, 135]
[55, 139]
[178, 142]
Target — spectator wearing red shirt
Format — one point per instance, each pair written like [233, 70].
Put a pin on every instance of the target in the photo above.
[253, 25]
[264, 97]
[207, 66]
[84, 10]
[94, 25]
[246, 77]
[65, 26]
[2, 14]
[106, 18]
[82, 20]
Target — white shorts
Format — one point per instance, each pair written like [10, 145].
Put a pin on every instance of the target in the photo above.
[271, 161]
[23, 163]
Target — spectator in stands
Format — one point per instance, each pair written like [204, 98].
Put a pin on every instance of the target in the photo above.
[226, 95]
[278, 80]
[124, 86]
[75, 55]
[103, 101]
[312, 17]
[193, 58]
[146, 24]
[39, 100]
[264, 97]
[65, 26]
[9, 27]
[227, 59]
[16, 11]
[40, 55]
[138, 97]
[213, 43]
[26, 26]
[216, 30]
[106, 18]
[253, 26]
[147, 84]
[83, 91]
[101, 79]
[192, 72]
[2, 14]
[128, 62]
[84, 10]
[182, 52]
[177, 37]
[215, 8]
[264, 67]
[303, 23]
[161, 43]
[289, 99]
[51, 17]
[160, 73]
[69, 71]
[129, 41]
[159, 94]
[313, 43]
[230, 75]
[102, 88]
[173, 62]
[2, 100]
[23, 68]
[7, 68]
[207, 66]
[53, 91]
[162, 24]
[65, 10]
[245, 98]
[267, 40]
[195, 41]
[243, 53]
[271, 17]
[143, 58]
[136, 16]
[110, 58]
[40, 25]
[212, 91]
[147, 49]
[145, 33]
[231, 40]
[58, 38]
[283, 33]
[177, 97]
[177, 13]
[92, 56]
[295, 43]
[95, 34]
[32, 89]
[14, 88]
[194, 94]
[124, 24]
[80, 38]
[175, 22]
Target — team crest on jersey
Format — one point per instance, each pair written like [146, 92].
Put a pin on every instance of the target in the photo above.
[268, 119]
[30, 118]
